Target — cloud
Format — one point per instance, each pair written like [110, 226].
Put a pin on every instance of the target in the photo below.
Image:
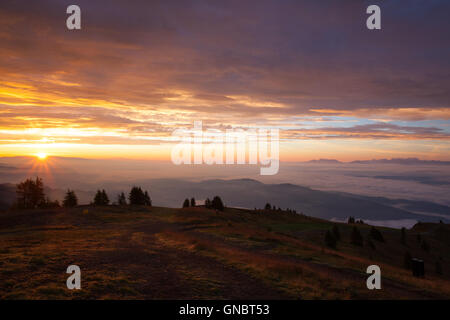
[142, 69]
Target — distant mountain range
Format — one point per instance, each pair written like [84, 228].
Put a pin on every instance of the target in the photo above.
[248, 193]
[407, 161]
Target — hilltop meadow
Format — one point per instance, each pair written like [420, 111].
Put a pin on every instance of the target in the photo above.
[143, 252]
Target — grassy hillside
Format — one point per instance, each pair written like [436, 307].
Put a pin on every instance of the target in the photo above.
[197, 253]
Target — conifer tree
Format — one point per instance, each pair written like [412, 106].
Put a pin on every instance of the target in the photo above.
[217, 203]
[356, 237]
[330, 240]
[71, 199]
[336, 233]
[121, 199]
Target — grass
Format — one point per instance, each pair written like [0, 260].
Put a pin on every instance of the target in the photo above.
[196, 253]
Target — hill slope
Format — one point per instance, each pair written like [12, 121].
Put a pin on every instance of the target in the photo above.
[248, 193]
[197, 253]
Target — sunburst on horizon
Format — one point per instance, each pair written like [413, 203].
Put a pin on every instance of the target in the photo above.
[41, 155]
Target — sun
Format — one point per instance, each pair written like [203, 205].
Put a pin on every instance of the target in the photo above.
[41, 155]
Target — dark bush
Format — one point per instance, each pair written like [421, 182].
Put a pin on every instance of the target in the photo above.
[356, 238]
[330, 240]
[376, 234]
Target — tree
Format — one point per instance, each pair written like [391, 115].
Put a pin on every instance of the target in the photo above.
[30, 194]
[407, 260]
[121, 200]
[207, 203]
[356, 237]
[101, 198]
[217, 203]
[70, 200]
[330, 240]
[192, 202]
[376, 234]
[425, 246]
[403, 236]
[186, 203]
[351, 220]
[138, 197]
[51, 204]
[268, 206]
[336, 233]
[105, 197]
[147, 200]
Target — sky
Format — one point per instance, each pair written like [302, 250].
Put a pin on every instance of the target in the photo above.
[138, 70]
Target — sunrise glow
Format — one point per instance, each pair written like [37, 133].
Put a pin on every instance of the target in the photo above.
[41, 155]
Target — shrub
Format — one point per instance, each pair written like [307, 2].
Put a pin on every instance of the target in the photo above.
[330, 240]
[356, 238]
[193, 202]
[186, 203]
[336, 233]
[376, 234]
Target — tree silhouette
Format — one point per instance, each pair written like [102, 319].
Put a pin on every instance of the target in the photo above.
[147, 200]
[138, 197]
[121, 200]
[376, 234]
[51, 204]
[101, 198]
[268, 206]
[192, 202]
[70, 200]
[356, 237]
[207, 203]
[217, 203]
[30, 194]
[336, 233]
[351, 220]
[330, 240]
[186, 203]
